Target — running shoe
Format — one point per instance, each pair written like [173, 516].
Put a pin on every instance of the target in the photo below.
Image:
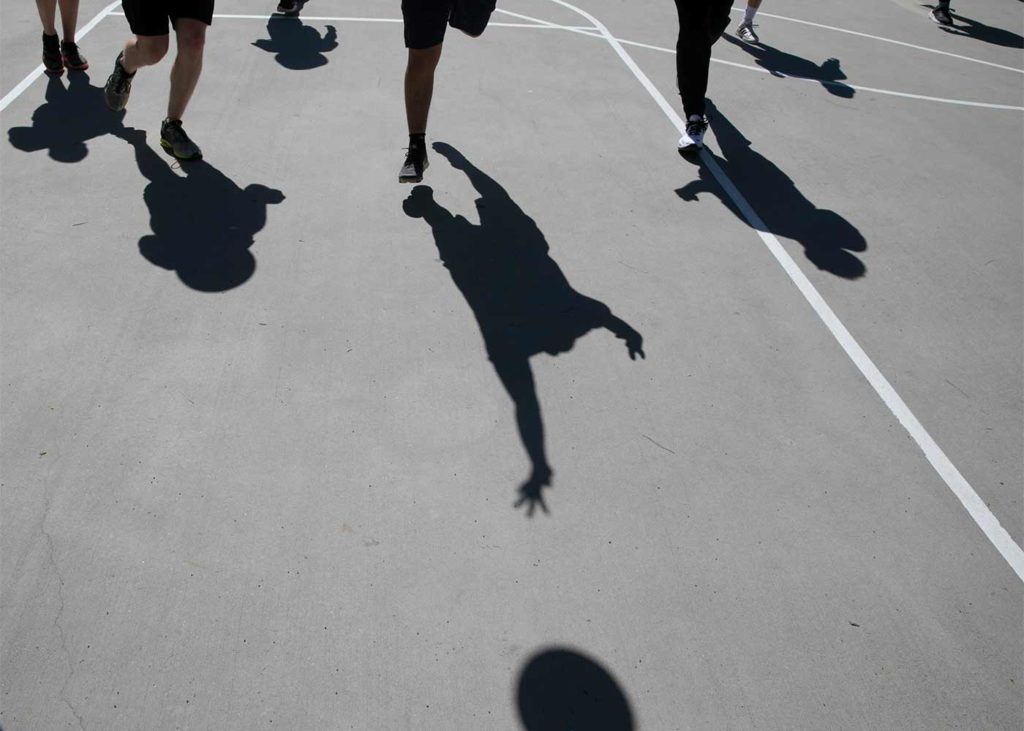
[52, 62]
[72, 57]
[415, 163]
[174, 139]
[941, 16]
[745, 32]
[471, 16]
[693, 139]
[118, 86]
[288, 7]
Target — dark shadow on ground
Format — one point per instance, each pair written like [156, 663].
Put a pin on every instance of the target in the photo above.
[71, 116]
[298, 47]
[828, 238]
[522, 300]
[980, 32]
[203, 222]
[782, 64]
[562, 690]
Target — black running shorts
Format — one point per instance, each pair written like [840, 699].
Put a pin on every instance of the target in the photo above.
[154, 17]
[425, 21]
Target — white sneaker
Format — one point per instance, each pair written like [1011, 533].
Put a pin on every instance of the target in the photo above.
[745, 32]
[693, 139]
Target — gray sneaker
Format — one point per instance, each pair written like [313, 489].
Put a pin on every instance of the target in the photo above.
[119, 86]
[940, 14]
[745, 32]
[175, 141]
[415, 163]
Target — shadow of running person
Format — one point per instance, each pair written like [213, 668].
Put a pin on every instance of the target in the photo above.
[70, 117]
[561, 690]
[781, 64]
[298, 47]
[203, 222]
[828, 238]
[522, 302]
[979, 31]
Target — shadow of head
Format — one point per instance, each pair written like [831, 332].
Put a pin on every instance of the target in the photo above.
[69, 117]
[560, 689]
[203, 227]
[828, 244]
[419, 201]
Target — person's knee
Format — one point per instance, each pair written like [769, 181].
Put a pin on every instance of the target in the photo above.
[150, 49]
[424, 60]
[191, 37]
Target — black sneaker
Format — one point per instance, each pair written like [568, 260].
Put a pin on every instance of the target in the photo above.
[415, 163]
[288, 7]
[175, 141]
[941, 16]
[118, 87]
[471, 16]
[52, 61]
[72, 57]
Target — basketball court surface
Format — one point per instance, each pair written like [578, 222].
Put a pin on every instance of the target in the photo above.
[262, 459]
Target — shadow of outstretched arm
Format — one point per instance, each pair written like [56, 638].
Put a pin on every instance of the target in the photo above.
[517, 377]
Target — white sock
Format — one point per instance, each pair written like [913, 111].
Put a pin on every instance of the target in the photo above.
[748, 15]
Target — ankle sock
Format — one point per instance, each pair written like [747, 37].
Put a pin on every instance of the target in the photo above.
[418, 140]
[748, 15]
[51, 41]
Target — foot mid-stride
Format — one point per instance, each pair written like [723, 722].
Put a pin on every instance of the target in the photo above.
[940, 13]
[692, 139]
[415, 160]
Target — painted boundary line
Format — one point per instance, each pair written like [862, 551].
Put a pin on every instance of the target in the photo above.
[975, 506]
[887, 40]
[886, 92]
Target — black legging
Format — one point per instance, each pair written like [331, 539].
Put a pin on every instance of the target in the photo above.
[701, 22]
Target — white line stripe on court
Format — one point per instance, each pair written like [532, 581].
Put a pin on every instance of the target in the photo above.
[886, 92]
[956, 482]
[27, 81]
[887, 40]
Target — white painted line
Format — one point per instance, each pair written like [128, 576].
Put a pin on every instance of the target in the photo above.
[27, 81]
[887, 40]
[886, 92]
[975, 506]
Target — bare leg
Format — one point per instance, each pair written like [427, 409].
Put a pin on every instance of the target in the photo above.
[419, 86]
[142, 51]
[69, 19]
[47, 14]
[191, 37]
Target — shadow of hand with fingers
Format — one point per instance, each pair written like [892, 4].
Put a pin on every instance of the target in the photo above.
[298, 47]
[203, 222]
[782, 64]
[521, 299]
[70, 117]
[563, 690]
[979, 31]
[828, 238]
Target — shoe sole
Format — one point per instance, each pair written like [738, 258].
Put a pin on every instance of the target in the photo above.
[943, 23]
[54, 72]
[69, 67]
[690, 149]
[169, 148]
